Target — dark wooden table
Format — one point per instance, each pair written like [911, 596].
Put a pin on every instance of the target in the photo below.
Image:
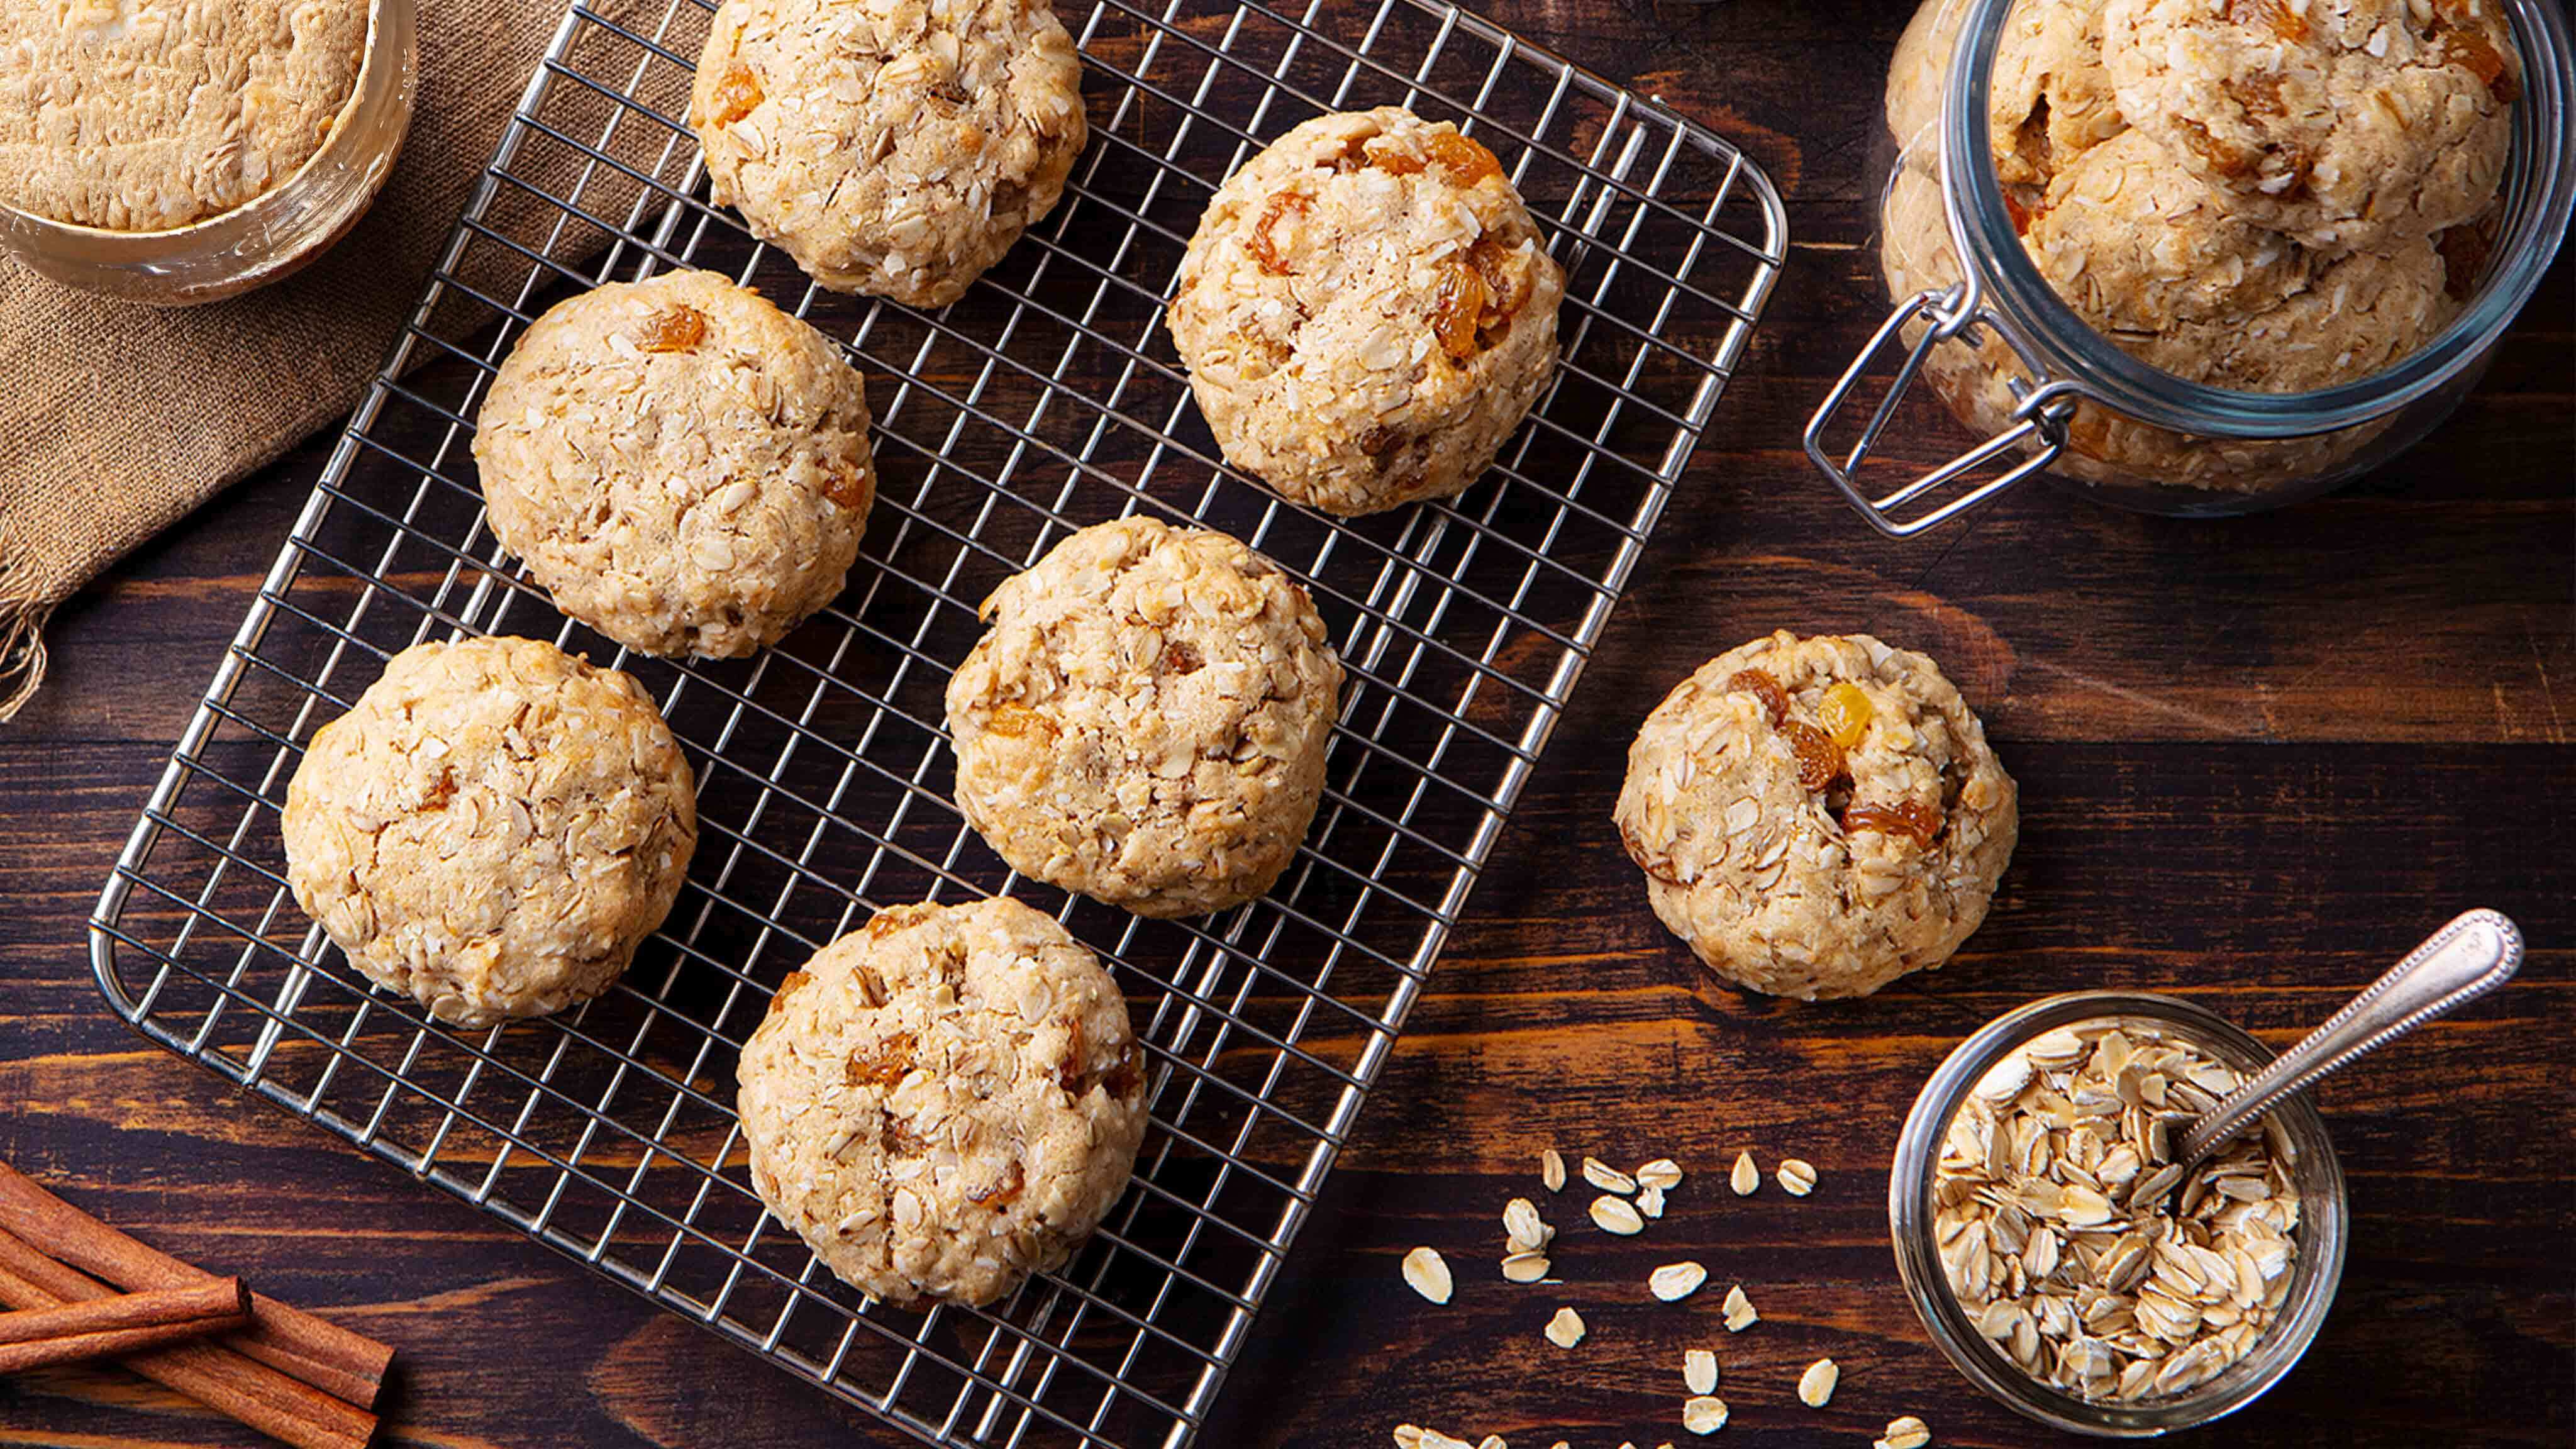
[2258, 760]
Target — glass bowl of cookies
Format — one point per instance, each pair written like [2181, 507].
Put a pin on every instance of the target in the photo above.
[2199, 258]
[178, 155]
[2062, 1258]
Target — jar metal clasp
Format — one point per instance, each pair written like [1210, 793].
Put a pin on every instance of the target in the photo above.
[2039, 419]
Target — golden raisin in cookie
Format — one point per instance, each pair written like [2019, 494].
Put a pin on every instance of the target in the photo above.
[1817, 817]
[1146, 722]
[683, 466]
[1367, 312]
[492, 829]
[893, 147]
[944, 1101]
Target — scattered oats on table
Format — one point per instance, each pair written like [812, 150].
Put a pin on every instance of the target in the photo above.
[1904, 1432]
[1617, 1215]
[1525, 1267]
[1428, 1274]
[1816, 1385]
[1745, 1177]
[1796, 1176]
[1650, 1202]
[1674, 1282]
[1699, 1371]
[1525, 1231]
[1704, 1414]
[1551, 1170]
[1607, 1178]
[1565, 1330]
[1663, 1174]
[1739, 1310]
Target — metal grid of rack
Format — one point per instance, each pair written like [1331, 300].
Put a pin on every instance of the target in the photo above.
[1047, 399]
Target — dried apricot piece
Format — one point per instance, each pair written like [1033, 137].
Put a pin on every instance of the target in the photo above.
[1820, 760]
[2274, 16]
[1265, 248]
[1389, 157]
[1011, 720]
[1455, 310]
[1462, 158]
[1905, 817]
[1762, 686]
[883, 1063]
[672, 329]
[848, 489]
[1507, 289]
[737, 94]
[1845, 714]
[2470, 49]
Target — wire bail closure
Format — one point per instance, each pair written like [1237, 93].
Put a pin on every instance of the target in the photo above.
[2039, 416]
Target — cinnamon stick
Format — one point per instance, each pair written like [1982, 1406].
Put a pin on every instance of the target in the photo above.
[119, 1324]
[333, 1359]
[283, 1408]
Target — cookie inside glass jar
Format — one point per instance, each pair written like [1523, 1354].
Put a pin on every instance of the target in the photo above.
[2245, 195]
[147, 115]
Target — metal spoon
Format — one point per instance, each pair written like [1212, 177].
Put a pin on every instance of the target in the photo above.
[2473, 955]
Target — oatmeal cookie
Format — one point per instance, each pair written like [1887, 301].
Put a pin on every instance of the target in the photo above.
[1146, 722]
[492, 829]
[2352, 124]
[2137, 245]
[2050, 98]
[1367, 312]
[944, 1101]
[682, 465]
[894, 147]
[1817, 817]
[143, 115]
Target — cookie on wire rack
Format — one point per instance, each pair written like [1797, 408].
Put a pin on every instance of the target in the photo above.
[683, 466]
[492, 829]
[1817, 817]
[1367, 312]
[892, 147]
[1146, 722]
[944, 1101]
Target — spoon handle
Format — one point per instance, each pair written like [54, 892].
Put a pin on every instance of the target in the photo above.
[2473, 955]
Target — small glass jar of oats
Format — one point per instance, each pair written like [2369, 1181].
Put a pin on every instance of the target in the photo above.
[2062, 1259]
[173, 152]
[2197, 257]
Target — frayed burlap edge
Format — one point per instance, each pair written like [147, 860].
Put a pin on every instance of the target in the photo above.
[22, 653]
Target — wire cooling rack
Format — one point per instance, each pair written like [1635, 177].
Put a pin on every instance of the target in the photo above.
[1047, 399]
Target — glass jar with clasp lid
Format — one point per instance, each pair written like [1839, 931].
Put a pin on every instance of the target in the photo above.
[2184, 364]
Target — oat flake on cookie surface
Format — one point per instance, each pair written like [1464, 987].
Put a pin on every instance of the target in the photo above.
[1367, 312]
[682, 465]
[944, 1101]
[1146, 722]
[492, 829]
[143, 115]
[2350, 123]
[1817, 817]
[893, 147]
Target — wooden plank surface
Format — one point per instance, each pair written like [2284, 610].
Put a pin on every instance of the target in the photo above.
[2258, 759]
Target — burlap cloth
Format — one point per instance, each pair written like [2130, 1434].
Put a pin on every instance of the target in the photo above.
[116, 420]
